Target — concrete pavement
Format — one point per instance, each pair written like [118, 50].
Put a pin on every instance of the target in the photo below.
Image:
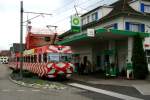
[143, 86]
[11, 91]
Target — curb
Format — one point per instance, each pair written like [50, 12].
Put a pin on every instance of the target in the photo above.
[19, 83]
[37, 86]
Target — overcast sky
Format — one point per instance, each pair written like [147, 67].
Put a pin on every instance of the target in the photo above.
[61, 11]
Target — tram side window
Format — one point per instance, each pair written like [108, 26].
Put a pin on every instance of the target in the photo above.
[32, 60]
[35, 58]
[17, 59]
[39, 58]
[28, 59]
[23, 59]
[45, 57]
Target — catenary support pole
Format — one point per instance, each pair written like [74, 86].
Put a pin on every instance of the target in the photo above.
[21, 39]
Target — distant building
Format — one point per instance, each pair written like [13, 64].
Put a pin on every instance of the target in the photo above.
[4, 56]
[115, 26]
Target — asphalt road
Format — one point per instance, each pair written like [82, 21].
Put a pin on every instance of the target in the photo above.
[11, 91]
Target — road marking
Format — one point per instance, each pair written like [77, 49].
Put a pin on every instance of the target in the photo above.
[5, 90]
[35, 90]
[143, 88]
[110, 93]
[20, 90]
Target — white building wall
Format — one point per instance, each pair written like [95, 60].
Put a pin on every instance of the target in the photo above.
[120, 22]
[102, 11]
[135, 5]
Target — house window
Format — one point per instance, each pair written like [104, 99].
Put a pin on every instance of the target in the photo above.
[135, 27]
[94, 16]
[88, 19]
[145, 8]
[83, 21]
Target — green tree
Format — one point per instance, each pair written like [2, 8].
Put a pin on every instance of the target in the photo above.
[140, 67]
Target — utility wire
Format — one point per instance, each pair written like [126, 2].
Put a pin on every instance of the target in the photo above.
[81, 8]
[70, 8]
[64, 6]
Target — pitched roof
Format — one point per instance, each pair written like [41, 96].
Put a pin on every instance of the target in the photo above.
[120, 8]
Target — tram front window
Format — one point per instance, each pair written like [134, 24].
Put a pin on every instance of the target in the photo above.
[57, 57]
[53, 57]
[65, 57]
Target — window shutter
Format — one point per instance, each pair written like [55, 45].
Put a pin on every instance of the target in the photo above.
[127, 26]
[142, 27]
[142, 7]
[115, 26]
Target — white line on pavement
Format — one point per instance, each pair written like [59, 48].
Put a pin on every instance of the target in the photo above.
[35, 90]
[20, 90]
[110, 93]
[5, 90]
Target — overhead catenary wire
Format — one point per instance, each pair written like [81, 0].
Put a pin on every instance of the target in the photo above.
[66, 8]
[79, 11]
[67, 12]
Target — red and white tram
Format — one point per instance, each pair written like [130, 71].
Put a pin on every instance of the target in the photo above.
[50, 61]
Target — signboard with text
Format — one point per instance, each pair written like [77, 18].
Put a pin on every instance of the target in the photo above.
[91, 32]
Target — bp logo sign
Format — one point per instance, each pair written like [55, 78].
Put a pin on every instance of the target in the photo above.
[75, 24]
[76, 21]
